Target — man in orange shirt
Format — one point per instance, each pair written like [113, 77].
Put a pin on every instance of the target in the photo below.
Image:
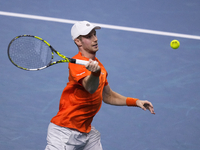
[82, 97]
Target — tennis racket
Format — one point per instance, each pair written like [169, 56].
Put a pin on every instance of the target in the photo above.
[32, 53]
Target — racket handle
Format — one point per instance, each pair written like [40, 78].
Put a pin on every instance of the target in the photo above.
[81, 62]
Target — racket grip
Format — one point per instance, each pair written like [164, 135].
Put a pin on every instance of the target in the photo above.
[81, 62]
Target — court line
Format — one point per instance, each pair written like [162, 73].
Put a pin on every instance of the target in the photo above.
[102, 25]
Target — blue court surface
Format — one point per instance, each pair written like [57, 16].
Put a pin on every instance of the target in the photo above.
[140, 64]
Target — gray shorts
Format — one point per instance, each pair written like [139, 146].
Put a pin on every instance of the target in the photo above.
[61, 138]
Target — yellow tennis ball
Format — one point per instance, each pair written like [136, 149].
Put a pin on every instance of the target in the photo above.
[175, 44]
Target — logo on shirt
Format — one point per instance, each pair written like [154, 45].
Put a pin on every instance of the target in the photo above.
[80, 74]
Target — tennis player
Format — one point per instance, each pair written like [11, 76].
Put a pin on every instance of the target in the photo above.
[81, 99]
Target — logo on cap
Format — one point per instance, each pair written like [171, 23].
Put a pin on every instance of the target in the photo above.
[87, 24]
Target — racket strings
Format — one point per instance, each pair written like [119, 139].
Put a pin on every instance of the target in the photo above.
[29, 52]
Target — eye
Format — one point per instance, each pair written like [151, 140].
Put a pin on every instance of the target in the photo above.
[88, 36]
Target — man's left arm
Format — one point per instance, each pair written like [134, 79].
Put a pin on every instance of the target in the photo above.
[113, 98]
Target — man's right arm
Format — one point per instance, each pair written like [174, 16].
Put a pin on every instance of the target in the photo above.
[91, 82]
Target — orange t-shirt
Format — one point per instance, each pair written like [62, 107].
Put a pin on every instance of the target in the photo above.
[77, 106]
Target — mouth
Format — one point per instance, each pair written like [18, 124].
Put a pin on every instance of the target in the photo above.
[95, 45]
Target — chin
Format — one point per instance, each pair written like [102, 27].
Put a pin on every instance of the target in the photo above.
[95, 50]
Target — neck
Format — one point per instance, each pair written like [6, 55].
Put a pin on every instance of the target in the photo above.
[88, 55]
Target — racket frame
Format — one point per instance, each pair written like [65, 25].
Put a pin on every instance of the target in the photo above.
[64, 60]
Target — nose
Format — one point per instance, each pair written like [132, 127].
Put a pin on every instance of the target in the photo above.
[95, 38]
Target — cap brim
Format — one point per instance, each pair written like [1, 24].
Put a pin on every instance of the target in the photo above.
[89, 30]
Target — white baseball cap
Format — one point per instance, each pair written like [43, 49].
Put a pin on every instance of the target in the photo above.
[82, 28]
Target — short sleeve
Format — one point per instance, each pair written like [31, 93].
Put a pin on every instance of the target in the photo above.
[106, 82]
[77, 72]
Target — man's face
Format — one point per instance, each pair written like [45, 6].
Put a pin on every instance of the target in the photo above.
[89, 42]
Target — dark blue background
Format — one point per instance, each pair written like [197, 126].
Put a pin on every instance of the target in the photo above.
[139, 65]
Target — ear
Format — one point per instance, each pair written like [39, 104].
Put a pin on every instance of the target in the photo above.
[78, 42]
